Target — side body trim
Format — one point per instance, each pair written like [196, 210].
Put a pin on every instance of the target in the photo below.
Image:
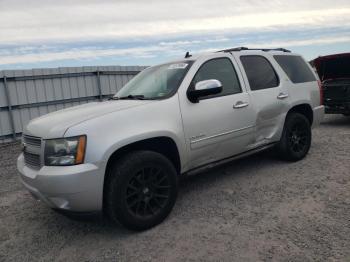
[221, 134]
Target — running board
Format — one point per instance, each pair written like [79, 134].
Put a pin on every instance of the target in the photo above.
[205, 167]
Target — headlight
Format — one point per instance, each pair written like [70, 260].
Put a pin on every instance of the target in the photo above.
[65, 151]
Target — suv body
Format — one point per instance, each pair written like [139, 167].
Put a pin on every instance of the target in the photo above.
[334, 72]
[251, 94]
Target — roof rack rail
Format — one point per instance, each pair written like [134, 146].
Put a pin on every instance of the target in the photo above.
[242, 48]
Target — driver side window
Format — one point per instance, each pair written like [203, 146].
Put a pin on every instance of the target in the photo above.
[220, 69]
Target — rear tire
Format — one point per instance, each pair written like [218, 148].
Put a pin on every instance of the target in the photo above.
[141, 190]
[296, 138]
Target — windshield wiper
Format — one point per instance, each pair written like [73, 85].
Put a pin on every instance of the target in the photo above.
[136, 97]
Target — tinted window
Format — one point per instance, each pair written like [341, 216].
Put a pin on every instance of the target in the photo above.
[295, 68]
[222, 70]
[260, 72]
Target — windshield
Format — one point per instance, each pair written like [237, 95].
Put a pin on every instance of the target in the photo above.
[155, 82]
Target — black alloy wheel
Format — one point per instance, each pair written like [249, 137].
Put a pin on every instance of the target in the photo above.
[148, 192]
[296, 137]
[140, 189]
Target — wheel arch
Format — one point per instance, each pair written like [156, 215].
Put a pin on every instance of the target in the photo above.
[304, 109]
[161, 144]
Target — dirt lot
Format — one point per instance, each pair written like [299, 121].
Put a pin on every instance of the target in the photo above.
[254, 209]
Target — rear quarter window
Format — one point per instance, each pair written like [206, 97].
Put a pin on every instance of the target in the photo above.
[296, 68]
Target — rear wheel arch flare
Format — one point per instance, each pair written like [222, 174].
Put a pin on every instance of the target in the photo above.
[304, 109]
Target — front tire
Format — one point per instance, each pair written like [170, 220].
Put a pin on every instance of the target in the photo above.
[141, 190]
[296, 138]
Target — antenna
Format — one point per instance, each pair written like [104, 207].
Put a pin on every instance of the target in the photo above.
[187, 55]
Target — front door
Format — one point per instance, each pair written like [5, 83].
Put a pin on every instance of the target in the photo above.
[221, 125]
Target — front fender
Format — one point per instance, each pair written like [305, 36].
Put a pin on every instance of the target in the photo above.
[110, 132]
[140, 137]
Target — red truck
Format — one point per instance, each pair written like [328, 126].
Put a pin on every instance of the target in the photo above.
[334, 73]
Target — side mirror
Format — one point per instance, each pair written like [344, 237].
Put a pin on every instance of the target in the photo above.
[204, 88]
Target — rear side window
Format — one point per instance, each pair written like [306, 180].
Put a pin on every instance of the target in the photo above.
[260, 72]
[220, 69]
[295, 68]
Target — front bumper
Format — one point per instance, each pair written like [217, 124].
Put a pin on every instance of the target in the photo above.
[73, 188]
[318, 115]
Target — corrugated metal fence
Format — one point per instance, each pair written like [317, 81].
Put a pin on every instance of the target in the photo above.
[26, 94]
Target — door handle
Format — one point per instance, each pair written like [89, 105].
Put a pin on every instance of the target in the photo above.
[240, 104]
[282, 95]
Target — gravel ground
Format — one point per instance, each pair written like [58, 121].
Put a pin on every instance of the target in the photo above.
[253, 209]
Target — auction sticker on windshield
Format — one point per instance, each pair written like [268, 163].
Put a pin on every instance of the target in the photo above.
[178, 66]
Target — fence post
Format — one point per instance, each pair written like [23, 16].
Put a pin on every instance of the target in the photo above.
[9, 105]
[99, 84]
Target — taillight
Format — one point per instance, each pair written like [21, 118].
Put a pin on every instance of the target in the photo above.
[321, 91]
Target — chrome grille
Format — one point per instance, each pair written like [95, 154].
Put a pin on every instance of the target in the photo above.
[32, 151]
[32, 160]
[32, 141]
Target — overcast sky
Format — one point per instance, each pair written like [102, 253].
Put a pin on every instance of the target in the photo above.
[53, 33]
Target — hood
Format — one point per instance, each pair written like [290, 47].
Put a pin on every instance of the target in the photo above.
[333, 67]
[55, 124]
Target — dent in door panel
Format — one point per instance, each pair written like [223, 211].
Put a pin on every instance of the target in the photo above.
[267, 118]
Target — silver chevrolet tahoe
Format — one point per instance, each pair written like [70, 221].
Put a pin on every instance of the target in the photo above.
[124, 156]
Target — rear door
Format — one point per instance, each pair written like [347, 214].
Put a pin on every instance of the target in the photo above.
[268, 95]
